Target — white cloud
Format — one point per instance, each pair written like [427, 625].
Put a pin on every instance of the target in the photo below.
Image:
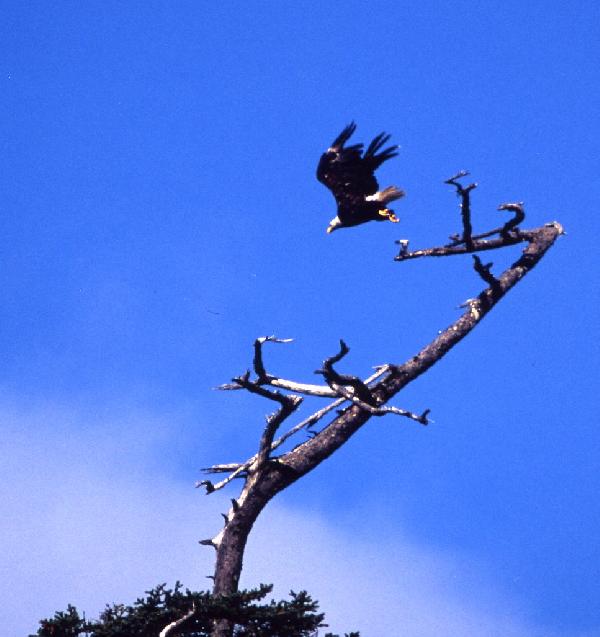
[92, 519]
[380, 587]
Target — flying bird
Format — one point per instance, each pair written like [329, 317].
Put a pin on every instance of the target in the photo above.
[350, 175]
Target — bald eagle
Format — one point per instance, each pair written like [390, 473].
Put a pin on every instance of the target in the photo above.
[350, 175]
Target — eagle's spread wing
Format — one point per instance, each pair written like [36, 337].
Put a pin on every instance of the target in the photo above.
[350, 174]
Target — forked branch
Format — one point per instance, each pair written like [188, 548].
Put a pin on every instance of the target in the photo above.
[264, 378]
[467, 242]
[465, 205]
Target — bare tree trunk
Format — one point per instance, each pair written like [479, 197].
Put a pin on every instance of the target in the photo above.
[265, 475]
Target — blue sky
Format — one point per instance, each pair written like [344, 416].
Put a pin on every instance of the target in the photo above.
[160, 211]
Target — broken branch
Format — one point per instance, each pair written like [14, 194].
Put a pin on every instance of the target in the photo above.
[465, 205]
[519, 217]
[484, 272]
[259, 368]
[477, 245]
[334, 379]
[383, 410]
[169, 628]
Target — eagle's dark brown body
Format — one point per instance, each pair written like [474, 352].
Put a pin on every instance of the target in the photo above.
[350, 175]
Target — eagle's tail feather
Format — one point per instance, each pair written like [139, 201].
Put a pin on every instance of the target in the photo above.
[391, 193]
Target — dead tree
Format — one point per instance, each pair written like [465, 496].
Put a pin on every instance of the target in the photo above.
[267, 473]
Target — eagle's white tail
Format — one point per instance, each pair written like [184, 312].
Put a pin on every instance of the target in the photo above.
[391, 193]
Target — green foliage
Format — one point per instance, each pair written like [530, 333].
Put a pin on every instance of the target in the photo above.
[297, 617]
[64, 624]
